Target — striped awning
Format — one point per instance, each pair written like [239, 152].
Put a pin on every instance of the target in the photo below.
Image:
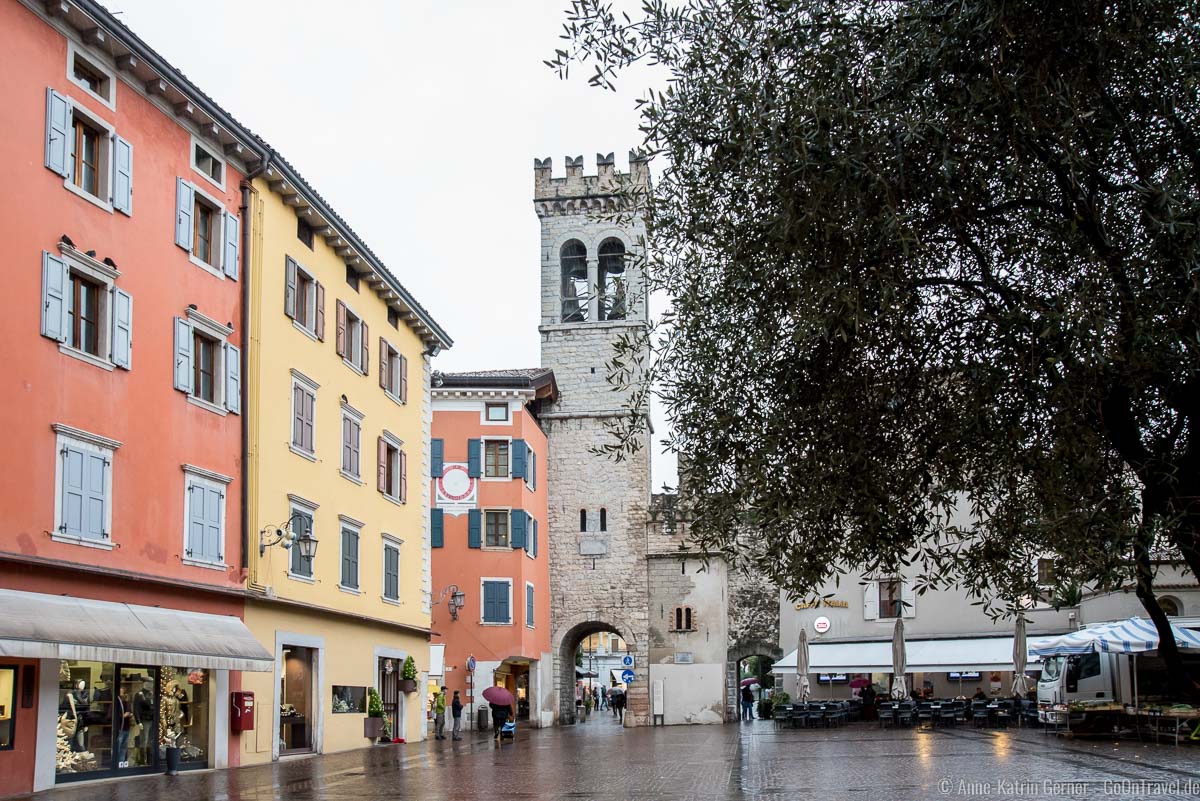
[1133, 636]
[38, 626]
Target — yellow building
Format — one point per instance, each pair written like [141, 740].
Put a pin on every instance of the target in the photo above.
[338, 447]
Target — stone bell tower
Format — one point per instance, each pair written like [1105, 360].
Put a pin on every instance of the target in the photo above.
[592, 292]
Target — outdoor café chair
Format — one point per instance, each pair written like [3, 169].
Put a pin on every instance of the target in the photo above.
[781, 714]
[815, 715]
[1003, 714]
[960, 712]
[905, 713]
[924, 712]
[979, 714]
[945, 714]
[887, 714]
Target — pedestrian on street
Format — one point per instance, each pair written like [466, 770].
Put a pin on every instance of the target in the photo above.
[456, 707]
[439, 715]
[500, 717]
[604, 698]
[619, 706]
[595, 698]
[747, 703]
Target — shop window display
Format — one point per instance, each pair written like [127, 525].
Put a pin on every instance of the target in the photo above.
[8, 705]
[349, 699]
[183, 713]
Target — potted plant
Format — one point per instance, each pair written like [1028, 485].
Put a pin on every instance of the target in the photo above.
[780, 698]
[375, 723]
[408, 676]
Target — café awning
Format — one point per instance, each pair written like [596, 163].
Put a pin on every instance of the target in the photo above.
[39, 626]
[924, 656]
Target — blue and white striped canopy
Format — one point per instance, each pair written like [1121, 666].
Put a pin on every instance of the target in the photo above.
[1132, 636]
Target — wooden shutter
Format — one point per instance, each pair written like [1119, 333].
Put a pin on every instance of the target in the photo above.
[403, 459]
[289, 287]
[310, 402]
[121, 344]
[871, 600]
[72, 491]
[516, 529]
[474, 528]
[58, 133]
[319, 310]
[382, 478]
[518, 458]
[54, 297]
[532, 461]
[195, 540]
[529, 521]
[474, 447]
[122, 177]
[535, 538]
[95, 494]
[403, 378]
[909, 598]
[340, 338]
[232, 245]
[437, 530]
[183, 355]
[437, 457]
[489, 602]
[391, 572]
[233, 378]
[364, 343]
[184, 200]
[349, 558]
[384, 348]
[297, 416]
[505, 615]
[528, 604]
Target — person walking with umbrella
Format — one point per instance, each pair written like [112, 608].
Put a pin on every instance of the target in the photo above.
[501, 701]
[747, 703]
[618, 704]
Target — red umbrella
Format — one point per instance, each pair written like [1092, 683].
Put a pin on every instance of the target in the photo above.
[749, 681]
[860, 682]
[498, 696]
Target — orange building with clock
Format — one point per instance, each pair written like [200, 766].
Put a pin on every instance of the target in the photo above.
[489, 537]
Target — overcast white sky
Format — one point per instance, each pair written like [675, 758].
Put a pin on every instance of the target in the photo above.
[419, 122]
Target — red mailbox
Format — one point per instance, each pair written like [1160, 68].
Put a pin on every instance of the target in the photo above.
[242, 716]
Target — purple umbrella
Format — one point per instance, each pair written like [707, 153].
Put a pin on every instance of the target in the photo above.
[498, 696]
[749, 681]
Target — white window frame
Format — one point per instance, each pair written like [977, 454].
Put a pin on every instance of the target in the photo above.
[394, 543]
[218, 233]
[349, 523]
[530, 467]
[354, 353]
[393, 493]
[529, 586]
[310, 302]
[208, 479]
[483, 476]
[94, 443]
[104, 160]
[297, 504]
[483, 580]
[356, 417]
[305, 383]
[107, 277]
[508, 414]
[198, 143]
[483, 513]
[75, 51]
[210, 328]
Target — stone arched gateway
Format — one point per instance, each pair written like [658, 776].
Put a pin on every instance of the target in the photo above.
[566, 643]
[737, 653]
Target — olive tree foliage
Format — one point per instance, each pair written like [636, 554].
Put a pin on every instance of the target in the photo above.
[934, 282]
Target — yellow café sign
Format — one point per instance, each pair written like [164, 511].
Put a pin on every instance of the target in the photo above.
[826, 602]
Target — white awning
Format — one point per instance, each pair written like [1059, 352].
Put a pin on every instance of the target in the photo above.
[437, 660]
[38, 626]
[924, 656]
[616, 672]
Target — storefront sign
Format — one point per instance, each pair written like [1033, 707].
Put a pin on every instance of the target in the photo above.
[826, 602]
[821, 625]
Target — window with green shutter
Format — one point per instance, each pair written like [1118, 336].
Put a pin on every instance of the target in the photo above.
[529, 605]
[391, 572]
[495, 601]
[302, 523]
[349, 558]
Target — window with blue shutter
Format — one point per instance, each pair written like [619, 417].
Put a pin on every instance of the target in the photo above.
[516, 526]
[185, 200]
[529, 605]
[535, 538]
[58, 133]
[122, 192]
[233, 378]
[519, 458]
[474, 528]
[85, 489]
[391, 572]
[437, 534]
[437, 456]
[54, 297]
[350, 558]
[474, 448]
[532, 469]
[206, 522]
[495, 602]
[183, 355]
[302, 523]
[122, 329]
[229, 253]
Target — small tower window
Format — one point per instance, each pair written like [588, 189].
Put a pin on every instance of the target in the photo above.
[583, 519]
[611, 280]
[603, 519]
[683, 618]
[573, 261]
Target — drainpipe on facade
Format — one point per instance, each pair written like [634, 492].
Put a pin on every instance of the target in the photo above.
[247, 188]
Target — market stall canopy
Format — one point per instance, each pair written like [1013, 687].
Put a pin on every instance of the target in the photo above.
[1133, 636]
[923, 656]
[39, 626]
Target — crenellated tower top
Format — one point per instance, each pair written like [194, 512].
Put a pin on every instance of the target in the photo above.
[577, 192]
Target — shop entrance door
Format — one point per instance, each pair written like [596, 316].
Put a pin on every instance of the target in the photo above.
[296, 712]
[108, 720]
[389, 693]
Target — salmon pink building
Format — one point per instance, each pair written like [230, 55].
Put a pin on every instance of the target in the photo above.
[121, 550]
[491, 574]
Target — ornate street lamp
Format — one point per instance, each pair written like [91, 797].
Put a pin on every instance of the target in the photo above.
[285, 536]
[457, 601]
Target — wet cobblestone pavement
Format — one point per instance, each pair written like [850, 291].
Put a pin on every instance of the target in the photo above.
[599, 760]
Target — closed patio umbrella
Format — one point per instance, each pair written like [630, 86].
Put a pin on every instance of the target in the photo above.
[802, 664]
[1020, 684]
[899, 662]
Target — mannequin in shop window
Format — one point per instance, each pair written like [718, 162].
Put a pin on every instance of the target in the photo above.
[143, 713]
[75, 705]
